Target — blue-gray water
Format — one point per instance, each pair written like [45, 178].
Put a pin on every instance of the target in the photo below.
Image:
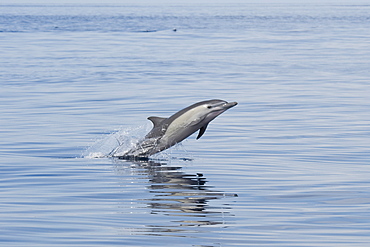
[296, 150]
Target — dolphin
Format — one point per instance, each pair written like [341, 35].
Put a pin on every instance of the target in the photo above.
[167, 132]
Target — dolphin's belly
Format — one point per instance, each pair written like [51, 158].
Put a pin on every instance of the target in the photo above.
[170, 139]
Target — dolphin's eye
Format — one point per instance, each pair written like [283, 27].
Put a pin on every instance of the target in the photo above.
[209, 107]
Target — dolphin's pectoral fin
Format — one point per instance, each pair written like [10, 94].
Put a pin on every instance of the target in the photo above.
[201, 131]
[156, 120]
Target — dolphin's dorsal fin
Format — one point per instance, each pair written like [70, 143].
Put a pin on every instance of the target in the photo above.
[156, 120]
[201, 131]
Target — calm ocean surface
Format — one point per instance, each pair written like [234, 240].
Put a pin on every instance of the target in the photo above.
[77, 79]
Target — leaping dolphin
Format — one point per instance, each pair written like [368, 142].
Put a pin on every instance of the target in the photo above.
[167, 132]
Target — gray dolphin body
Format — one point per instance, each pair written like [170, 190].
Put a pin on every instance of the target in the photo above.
[167, 132]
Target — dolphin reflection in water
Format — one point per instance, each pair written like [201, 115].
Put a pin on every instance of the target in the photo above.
[167, 132]
[181, 197]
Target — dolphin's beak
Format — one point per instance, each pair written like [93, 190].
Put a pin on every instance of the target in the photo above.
[229, 105]
[222, 108]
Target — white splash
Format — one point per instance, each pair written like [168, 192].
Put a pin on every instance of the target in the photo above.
[116, 143]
